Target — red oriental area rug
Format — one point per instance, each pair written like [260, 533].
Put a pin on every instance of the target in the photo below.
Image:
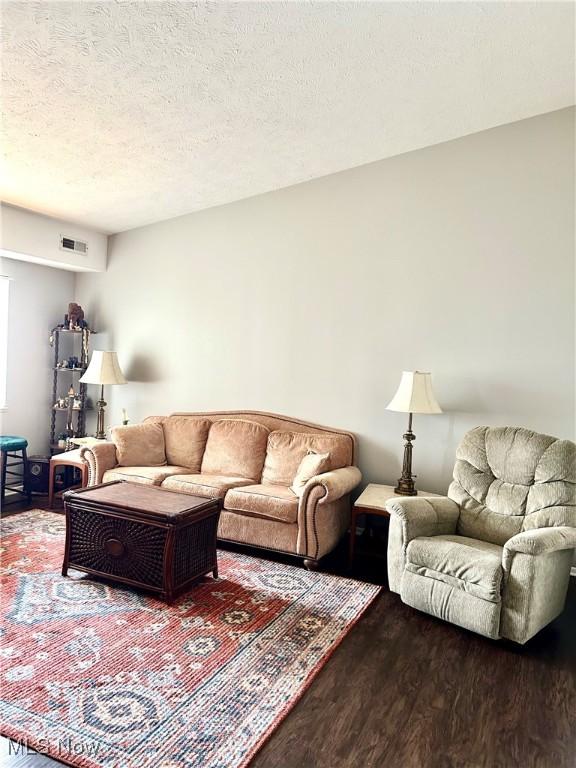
[100, 676]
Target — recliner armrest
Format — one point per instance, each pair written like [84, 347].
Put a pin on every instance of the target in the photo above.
[536, 565]
[424, 515]
[100, 457]
[336, 483]
[539, 541]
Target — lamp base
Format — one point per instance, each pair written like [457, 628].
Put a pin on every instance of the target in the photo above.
[100, 432]
[405, 487]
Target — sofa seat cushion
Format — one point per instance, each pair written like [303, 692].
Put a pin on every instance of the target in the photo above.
[144, 475]
[257, 531]
[468, 564]
[235, 447]
[274, 502]
[208, 486]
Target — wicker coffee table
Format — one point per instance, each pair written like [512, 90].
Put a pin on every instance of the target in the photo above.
[141, 535]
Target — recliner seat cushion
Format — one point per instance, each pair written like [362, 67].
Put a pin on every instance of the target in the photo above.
[185, 440]
[448, 603]
[461, 562]
[235, 447]
[143, 475]
[286, 450]
[274, 502]
[205, 485]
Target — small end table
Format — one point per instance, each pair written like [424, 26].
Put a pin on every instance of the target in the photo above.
[88, 442]
[67, 459]
[372, 501]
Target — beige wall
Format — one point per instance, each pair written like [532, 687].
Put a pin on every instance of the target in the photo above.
[310, 301]
[29, 236]
[38, 300]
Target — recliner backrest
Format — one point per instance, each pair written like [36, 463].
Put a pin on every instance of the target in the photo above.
[509, 479]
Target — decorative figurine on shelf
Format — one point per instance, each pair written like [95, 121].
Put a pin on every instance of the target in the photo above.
[74, 321]
[62, 439]
[85, 343]
[75, 317]
[70, 407]
[72, 364]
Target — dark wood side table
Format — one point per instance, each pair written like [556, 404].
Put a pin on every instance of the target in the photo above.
[372, 501]
[141, 535]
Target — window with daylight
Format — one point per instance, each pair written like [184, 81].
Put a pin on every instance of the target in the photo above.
[4, 291]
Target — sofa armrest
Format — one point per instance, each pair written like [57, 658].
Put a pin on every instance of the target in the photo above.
[332, 485]
[100, 457]
[424, 515]
[324, 511]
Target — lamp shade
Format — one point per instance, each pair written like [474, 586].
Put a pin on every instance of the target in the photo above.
[414, 395]
[103, 369]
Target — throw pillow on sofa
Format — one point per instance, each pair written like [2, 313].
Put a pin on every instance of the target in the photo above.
[311, 465]
[140, 445]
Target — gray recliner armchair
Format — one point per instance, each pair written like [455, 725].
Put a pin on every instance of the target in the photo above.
[493, 556]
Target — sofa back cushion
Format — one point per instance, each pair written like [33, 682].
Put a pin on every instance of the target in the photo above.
[140, 445]
[235, 447]
[275, 422]
[185, 441]
[509, 479]
[286, 450]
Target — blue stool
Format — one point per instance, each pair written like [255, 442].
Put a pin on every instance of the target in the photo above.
[13, 447]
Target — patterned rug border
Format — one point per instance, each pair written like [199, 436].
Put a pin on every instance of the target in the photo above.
[312, 676]
[81, 761]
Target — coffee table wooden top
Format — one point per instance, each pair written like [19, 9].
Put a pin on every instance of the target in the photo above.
[146, 500]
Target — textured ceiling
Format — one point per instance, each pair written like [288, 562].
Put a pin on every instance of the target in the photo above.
[118, 114]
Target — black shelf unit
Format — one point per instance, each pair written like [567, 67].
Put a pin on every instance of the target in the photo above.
[58, 381]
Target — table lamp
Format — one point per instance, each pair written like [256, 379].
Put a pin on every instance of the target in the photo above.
[103, 369]
[414, 395]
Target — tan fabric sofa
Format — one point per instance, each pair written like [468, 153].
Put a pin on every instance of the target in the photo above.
[249, 460]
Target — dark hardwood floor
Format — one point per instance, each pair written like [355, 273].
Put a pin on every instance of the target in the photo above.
[404, 690]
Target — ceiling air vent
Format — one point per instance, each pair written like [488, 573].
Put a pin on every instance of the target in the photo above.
[69, 244]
